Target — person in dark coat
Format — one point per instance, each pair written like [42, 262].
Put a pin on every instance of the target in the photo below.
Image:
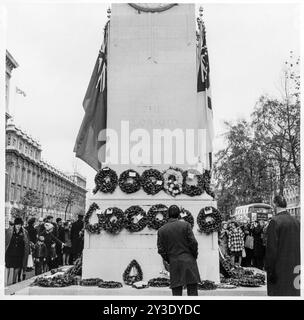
[32, 232]
[77, 237]
[40, 255]
[61, 237]
[178, 247]
[258, 248]
[17, 249]
[282, 261]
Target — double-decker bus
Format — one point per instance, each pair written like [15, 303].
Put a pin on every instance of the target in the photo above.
[252, 212]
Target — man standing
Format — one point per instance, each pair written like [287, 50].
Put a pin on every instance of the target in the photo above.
[178, 247]
[77, 237]
[61, 238]
[283, 252]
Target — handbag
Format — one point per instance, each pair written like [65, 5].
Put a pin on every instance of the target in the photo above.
[30, 263]
[249, 242]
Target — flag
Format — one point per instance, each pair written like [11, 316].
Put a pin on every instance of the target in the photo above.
[87, 146]
[204, 101]
[19, 91]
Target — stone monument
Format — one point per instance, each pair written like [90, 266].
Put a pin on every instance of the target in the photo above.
[152, 84]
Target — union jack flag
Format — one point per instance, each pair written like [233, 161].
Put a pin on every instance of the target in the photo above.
[203, 81]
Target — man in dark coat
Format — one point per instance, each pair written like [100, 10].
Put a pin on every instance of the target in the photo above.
[77, 237]
[283, 252]
[178, 247]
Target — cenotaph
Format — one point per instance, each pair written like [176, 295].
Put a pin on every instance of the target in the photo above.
[152, 84]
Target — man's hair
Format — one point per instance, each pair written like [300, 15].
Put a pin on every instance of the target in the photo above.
[49, 217]
[173, 211]
[18, 221]
[58, 220]
[280, 201]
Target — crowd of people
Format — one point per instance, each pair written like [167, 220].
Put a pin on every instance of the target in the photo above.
[42, 244]
[244, 244]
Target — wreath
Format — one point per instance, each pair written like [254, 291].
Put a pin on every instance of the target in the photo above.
[187, 216]
[62, 280]
[92, 228]
[129, 181]
[159, 282]
[127, 278]
[173, 181]
[152, 181]
[112, 220]
[91, 282]
[106, 181]
[154, 211]
[208, 226]
[190, 189]
[139, 214]
[207, 182]
[109, 284]
[206, 285]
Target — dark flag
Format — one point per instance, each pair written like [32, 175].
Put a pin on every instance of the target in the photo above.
[204, 95]
[87, 146]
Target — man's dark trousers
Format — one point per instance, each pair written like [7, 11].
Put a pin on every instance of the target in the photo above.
[191, 290]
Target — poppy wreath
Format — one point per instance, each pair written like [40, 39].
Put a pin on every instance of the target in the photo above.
[209, 226]
[92, 228]
[108, 224]
[173, 181]
[127, 278]
[134, 212]
[152, 181]
[106, 181]
[206, 182]
[91, 282]
[188, 217]
[153, 221]
[129, 181]
[193, 189]
[159, 282]
[109, 284]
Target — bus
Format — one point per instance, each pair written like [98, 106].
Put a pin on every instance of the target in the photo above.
[253, 212]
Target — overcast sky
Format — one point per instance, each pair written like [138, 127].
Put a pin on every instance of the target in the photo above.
[56, 46]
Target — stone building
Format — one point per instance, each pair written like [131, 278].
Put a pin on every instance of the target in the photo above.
[292, 196]
[26, 171]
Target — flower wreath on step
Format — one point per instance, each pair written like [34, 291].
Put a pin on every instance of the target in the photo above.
[207, 182]
[127, 278]
[106, 181]
[187, 216]
[173, 181]
[152, 181]
[129, 181]
[209, 220]
[92, 228]
[189, 188]
[109, 284]
[138, 214]
[159, 282]
[154, 211]
[109, 224]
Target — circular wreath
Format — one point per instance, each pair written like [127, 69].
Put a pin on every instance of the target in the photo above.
[188, 217]
[173, 181]
[152, 181]
[153, 221]
[127, 278]
[159, 282]
[109, 284]
[214, 224]
[207, 182]
[129, 181]
[132, 213]
[193, 189]
[106, 180]
[91, 282]
[110, 225]
[92, 228]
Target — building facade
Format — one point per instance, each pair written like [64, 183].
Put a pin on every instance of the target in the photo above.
[292, 196]
[26, 171]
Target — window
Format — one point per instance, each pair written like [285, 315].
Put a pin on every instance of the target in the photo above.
[14, 141]
[20, 146]
[9, 140]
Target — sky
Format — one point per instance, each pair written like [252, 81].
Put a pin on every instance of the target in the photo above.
[56, 45]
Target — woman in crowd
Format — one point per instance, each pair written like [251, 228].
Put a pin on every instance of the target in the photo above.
[236, 243]
[258, 248]
[16, 249]
[50, 241]
[68, 243]
[248, 244]
[223, 239]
